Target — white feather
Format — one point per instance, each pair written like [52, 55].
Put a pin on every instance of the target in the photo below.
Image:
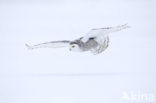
[53, 44]
[103, 32]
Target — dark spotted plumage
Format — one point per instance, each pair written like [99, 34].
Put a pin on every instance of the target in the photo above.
[90, 44]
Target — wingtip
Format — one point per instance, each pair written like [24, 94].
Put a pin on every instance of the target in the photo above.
[28, 47]
[126, 25]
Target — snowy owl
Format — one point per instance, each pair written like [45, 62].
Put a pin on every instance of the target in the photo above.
[96, 41]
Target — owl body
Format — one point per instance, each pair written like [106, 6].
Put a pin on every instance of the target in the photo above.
[91, 43]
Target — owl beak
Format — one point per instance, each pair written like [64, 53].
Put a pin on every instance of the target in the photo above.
[70, 49]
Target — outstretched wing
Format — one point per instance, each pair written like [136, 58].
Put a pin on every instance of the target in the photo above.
[102, 32]
[52, 44]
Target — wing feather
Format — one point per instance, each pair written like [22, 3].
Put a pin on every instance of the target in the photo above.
[52, 44]
[103, 32]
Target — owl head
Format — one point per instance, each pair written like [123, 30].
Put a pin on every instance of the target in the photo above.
[74, 47]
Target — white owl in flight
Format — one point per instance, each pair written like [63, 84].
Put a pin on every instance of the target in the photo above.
[96, 41]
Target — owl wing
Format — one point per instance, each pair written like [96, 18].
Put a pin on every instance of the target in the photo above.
[103, 32]
[52, 44]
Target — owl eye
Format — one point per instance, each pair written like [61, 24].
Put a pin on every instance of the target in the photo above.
[73, 46]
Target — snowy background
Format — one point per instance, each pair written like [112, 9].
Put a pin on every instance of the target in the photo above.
[61, 76]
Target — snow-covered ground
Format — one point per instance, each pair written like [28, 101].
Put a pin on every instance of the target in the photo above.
[127, 67]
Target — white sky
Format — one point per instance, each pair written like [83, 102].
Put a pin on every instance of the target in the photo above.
[61, 76]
